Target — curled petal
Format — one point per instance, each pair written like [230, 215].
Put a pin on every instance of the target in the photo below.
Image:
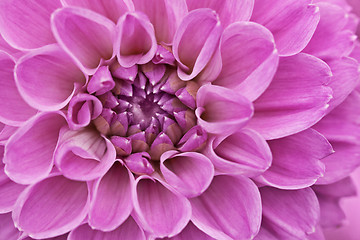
[161, 144]
[47, 78]
[221, 110]
[101, 82]
[193, 140]
[139, 163]
[85, 35]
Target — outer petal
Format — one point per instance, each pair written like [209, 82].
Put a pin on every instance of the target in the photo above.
[7, 228]
[181, 171]
[252, 66]
[165, 15]
[229, 11]
[211, 209]
[296, 99]
[290, 214]
[13, 109]
[296, 160]
[29, 152]
[85, 35]
[293, 22]
[25, 25]
[4, 46]
[51, 207]
[173, 210]
[111, 204]
[112, 9]
[221, 110]
[190, 232]
[128, 230]
[84, 155]
[47, 78]
[195, 42]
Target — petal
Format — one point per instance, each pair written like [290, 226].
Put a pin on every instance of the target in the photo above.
[165, 15]
[172, 210]
[229, 11]
[83, 155]
[25, 25]
[29, 152]
[252, 66]
[51, 207]
[128, 230]
[111, 204]
[47, 78]
[195, 41]
[295, 100]
[190, 232]
[4, 46]
[244, 152]
[7, 228]
[211, 209]
[13, 109]
[284, 217]
[296, 160]
[85, 35]
[112, 9]
[293, 22]
[6, 132]
[221, 110]
[181, 171]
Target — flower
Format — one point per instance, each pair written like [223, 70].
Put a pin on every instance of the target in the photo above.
[144, 119]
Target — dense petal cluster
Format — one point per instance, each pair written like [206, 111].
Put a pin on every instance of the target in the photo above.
[177, 119]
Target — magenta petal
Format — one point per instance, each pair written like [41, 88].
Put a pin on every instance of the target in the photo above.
[229, 11]
[211, 210]
[244, 152]
[252, 66]
[152, 196]
[165, 15]
[101, 82]
[25, 25]
[51, 207]
[296, 160]
[84, 155]
[13, 109]
[221, 110]
[284, 217]
[47, 78]
[296, 99]
[7, 228]
[111, 204]
[135, 40]
[4, 46]
[293, 22]
[190, 232]
[195, 42]
[128, 230]
[111, 9]
[181, 171]
[85, 35]
[29, 152]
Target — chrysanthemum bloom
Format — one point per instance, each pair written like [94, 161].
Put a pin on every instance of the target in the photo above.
[174, 119]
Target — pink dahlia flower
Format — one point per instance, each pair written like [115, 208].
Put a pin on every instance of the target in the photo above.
[174, 119]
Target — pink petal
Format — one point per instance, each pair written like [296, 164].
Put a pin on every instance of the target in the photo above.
[190, 232]
[29, 152]
[195, 41]
[47, 78]
[295, 100]
[252, 66]
[25, 25]
[4, 46]
[135, 41]
[128, 230]
[293, 22]
[172, 210]
[221, 110]
[244, 152]
[165, 15]
[84, 155]
[229, 209]
[112, 9]
[85, 35]
[290, 214]
[229, 11]
[111, 204]
[13, 109]
[181, 171]
[6, 132]
[7, 228]
[51, 207]
[296, 160]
